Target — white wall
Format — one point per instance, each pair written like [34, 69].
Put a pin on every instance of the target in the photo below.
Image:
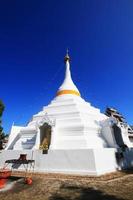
[87, 161]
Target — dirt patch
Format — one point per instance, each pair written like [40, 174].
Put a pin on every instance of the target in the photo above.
[114, 186]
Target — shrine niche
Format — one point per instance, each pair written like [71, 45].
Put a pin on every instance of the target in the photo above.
[45, 136]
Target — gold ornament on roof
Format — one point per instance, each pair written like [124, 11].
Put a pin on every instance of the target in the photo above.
[67, 58]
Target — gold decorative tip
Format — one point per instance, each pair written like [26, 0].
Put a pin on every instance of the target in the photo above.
[73, 92]
[67, 58]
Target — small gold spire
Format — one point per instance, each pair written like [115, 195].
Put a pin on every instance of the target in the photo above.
[67, 58]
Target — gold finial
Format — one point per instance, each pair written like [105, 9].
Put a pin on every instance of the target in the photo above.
[67, 58]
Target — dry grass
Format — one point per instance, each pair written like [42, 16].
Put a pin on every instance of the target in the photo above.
[114, 186]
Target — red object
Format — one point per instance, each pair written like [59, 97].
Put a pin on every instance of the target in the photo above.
[5, 173]
[23, 157]
[2, 183]
[28, 181]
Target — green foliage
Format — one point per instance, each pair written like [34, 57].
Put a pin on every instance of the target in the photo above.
[2, 107]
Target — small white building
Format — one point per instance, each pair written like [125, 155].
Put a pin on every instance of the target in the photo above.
[71, 136]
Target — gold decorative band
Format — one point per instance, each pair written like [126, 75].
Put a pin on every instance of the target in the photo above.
[67, 92]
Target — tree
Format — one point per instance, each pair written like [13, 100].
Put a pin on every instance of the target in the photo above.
[2, 107]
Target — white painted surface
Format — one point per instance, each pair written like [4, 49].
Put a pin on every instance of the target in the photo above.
[85, 161]
[68, 83]
[108, 133]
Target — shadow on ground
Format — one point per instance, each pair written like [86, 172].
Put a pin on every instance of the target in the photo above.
[78, 193]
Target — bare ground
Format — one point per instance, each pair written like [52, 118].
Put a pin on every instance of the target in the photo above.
[114, 186]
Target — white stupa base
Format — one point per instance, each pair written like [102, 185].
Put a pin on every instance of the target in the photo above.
[84, 161]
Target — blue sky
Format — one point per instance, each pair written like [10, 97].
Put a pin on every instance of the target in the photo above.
[34, 36]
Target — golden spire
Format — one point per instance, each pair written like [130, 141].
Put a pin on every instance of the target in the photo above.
[67, 58]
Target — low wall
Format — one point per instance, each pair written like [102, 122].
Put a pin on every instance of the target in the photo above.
[80, 161]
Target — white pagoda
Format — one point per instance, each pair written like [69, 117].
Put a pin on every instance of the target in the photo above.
[70, 136]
